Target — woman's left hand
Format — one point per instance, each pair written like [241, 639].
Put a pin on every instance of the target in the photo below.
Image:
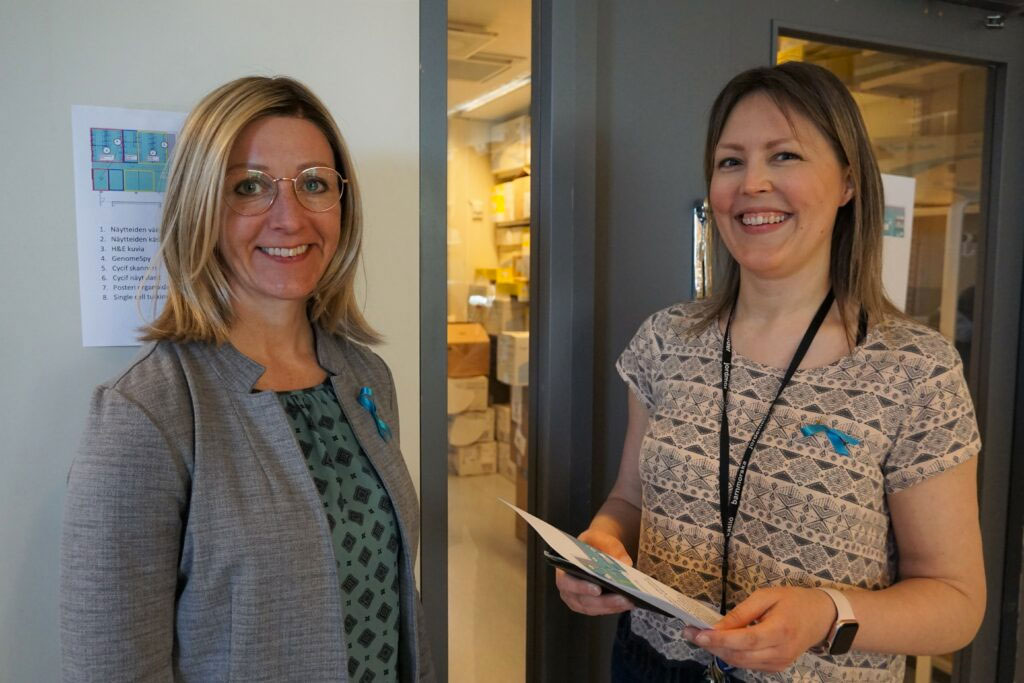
[770, 629]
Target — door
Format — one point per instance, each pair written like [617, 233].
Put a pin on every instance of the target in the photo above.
[622, 92]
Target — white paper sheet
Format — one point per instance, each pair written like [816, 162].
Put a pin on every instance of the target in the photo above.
[896, 236]
[630, 580]
[121, 161]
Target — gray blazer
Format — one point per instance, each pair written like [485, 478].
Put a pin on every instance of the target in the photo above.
[195, 546]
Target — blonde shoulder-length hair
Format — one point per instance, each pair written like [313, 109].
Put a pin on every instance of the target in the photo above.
[198, 306]
[855, 267]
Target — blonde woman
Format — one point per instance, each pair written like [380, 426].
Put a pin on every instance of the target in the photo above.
[798, 453]
[240, 509]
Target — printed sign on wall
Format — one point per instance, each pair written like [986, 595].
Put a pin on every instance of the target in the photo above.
[121, 159]
[896, 234]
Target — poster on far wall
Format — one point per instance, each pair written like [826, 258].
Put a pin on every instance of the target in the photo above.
[896, 236]
[121, 160]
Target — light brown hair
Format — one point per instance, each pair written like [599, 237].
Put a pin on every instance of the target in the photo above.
[198, 306]
[855, 266]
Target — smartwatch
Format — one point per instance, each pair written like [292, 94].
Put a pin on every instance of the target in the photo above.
[841, 635]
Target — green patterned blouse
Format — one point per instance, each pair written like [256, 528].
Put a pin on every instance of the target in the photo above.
[363, 529]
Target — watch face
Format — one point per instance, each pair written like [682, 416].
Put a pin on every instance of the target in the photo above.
[845, 633]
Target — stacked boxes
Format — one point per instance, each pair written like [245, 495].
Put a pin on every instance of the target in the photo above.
[510, 201]
[470, 427]
[469, 350]
[510, 145]
[519, 412]
[471, 445]
[519, 415]
[513, 358]
[466, 393]
[503, 434]
[503, 423]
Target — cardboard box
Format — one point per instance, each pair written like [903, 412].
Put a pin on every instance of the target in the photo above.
[467, 393]
[520, 450]
[480, 458]
[521, 194]
[519, 405]
[511, 237]
[499, 391]
[513, 358]
[469, 350]
[506, 465]
[470, 427]
[503, 314]
[503, 202]
[510, 145]
[503, 423]
[522, 494]
[509, 315]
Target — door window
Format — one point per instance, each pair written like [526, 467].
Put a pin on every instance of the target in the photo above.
[926, 118]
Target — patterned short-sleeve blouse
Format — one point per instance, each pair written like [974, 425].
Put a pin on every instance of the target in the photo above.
[809, 516]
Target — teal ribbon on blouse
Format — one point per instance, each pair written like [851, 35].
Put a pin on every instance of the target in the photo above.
[839, 440]
[366, 401]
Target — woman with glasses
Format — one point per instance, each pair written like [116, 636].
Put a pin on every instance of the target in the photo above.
[240, 508]
[799, 454]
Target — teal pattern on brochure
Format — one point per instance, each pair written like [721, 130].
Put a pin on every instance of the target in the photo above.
[125, 160]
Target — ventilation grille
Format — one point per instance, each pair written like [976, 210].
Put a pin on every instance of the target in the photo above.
[479, 68]
[465, 41]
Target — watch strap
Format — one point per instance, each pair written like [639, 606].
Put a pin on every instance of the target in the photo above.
[845, 618]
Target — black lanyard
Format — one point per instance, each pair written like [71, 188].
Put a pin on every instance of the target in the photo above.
[730, 505]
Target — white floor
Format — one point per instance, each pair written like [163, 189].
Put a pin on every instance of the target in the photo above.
[486, 583]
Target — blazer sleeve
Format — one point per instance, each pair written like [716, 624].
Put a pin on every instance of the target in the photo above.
[123, 519]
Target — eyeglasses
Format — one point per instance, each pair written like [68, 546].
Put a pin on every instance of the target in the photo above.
[249, 192]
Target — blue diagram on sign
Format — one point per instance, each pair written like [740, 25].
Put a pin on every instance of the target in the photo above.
[130, 160]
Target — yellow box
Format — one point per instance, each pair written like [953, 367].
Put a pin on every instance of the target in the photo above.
[521, 195]
[503, 202]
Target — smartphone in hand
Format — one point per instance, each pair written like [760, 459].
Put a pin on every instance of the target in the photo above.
[605, 586]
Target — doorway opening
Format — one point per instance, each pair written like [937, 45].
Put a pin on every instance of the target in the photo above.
[488, 300]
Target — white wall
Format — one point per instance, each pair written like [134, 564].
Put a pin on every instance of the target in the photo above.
[360, 56]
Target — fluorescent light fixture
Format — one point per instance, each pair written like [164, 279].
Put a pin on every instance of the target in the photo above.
[490, 96]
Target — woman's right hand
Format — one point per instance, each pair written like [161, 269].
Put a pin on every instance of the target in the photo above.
[586, 597]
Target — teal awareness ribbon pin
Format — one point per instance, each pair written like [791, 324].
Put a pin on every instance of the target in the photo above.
[838, 439]
[366, 401]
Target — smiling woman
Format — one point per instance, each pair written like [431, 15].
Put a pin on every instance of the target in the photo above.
[849, 427]
[277, 251]
[775, 190]
[240, 500]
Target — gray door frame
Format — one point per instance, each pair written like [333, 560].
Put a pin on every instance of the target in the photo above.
[433, 330]
[575, 425]
[561, 322]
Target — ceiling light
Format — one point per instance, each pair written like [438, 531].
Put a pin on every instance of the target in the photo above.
[490, 96]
